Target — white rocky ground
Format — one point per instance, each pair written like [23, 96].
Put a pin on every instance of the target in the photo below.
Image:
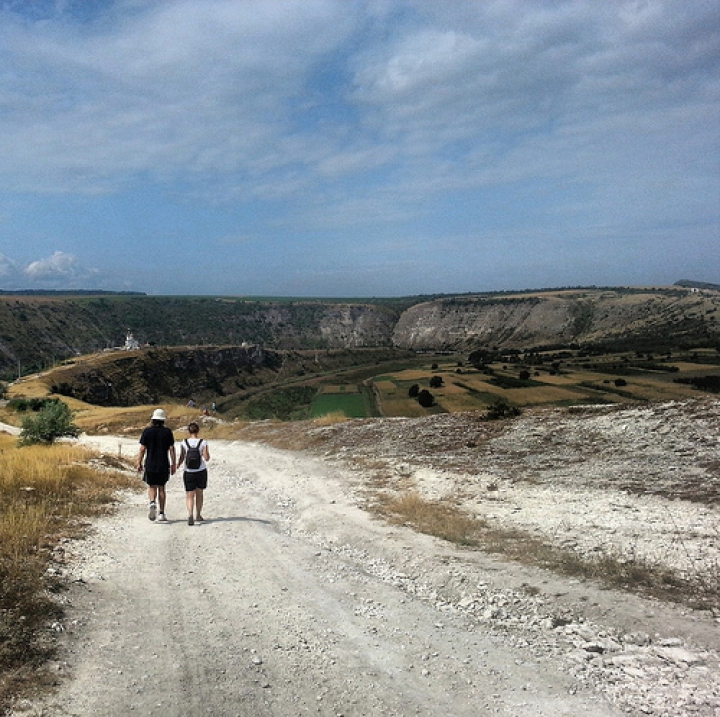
[294, 599]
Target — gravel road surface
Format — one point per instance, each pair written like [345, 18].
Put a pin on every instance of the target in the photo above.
[292, 599]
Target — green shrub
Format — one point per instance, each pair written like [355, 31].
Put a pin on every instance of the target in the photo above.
[501, 409]
[52, 421]
[425, 398]
[30, 404]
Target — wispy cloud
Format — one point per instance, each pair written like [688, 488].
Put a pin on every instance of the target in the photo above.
[377, 116]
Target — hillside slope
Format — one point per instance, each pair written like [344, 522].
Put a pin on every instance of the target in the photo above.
[36, 332]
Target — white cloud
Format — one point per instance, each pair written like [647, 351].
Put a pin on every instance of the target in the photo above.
[7, 266]
[59, 267]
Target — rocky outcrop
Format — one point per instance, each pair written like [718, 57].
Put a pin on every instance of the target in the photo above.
[356, 326]
[465, 323]
[631, 319]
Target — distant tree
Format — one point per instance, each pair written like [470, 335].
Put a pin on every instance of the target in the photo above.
[500, 408]
[425, 398]
[524, 375]
[434, 367]
[414, 390]
[482, 357]
[52, 421]
[620, 382]
[436, 382]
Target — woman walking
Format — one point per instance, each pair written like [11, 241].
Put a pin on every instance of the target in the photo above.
[194, 453]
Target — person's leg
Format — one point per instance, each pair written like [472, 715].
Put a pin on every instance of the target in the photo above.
[198, 503]
[190, 502]
[161, 498]
[152, 496]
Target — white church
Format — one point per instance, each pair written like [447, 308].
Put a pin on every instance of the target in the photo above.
[130, 342]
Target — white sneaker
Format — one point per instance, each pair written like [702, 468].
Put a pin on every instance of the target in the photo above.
[161, 518]
[152, 511]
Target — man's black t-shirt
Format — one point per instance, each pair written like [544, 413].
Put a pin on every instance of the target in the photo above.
[157, 441]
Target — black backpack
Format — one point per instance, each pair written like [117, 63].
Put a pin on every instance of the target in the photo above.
[193, 459]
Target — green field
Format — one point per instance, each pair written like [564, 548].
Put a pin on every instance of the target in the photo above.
[351, 405]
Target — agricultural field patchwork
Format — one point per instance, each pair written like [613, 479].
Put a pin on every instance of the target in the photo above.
[425, 384]
[614, 378]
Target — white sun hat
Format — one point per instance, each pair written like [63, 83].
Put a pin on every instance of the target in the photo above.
[158, 415]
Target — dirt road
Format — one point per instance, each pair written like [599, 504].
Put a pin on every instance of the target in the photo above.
[292, 599]
[289, 600]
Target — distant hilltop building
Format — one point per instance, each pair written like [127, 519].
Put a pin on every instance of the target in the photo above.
[130, 342]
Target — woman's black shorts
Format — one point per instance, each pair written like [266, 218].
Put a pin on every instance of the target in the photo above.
[195, 480]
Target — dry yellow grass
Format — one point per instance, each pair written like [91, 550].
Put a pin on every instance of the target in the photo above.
[459, 403]
[698, 368]
[449, 388]
[412, 374]
[660, 390]
[30, 387]
[330, 419]
[440, 519]
[386, 386]
[536, 395]
[393, 407]
[45, 492]
[564, 379]
[339, 388]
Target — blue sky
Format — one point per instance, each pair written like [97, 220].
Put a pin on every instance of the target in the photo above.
[358, 147]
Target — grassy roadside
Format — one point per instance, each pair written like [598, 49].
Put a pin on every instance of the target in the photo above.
[46, 493]
[446, 521]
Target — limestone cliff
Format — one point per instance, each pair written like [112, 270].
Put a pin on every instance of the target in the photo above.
[630, 318]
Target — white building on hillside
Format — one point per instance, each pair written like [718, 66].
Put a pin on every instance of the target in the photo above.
[130, 342]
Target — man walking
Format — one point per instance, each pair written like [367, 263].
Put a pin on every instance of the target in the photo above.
[157, 457]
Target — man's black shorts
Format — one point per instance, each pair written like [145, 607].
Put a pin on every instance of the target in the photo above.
[195, 480]
[156, 477]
